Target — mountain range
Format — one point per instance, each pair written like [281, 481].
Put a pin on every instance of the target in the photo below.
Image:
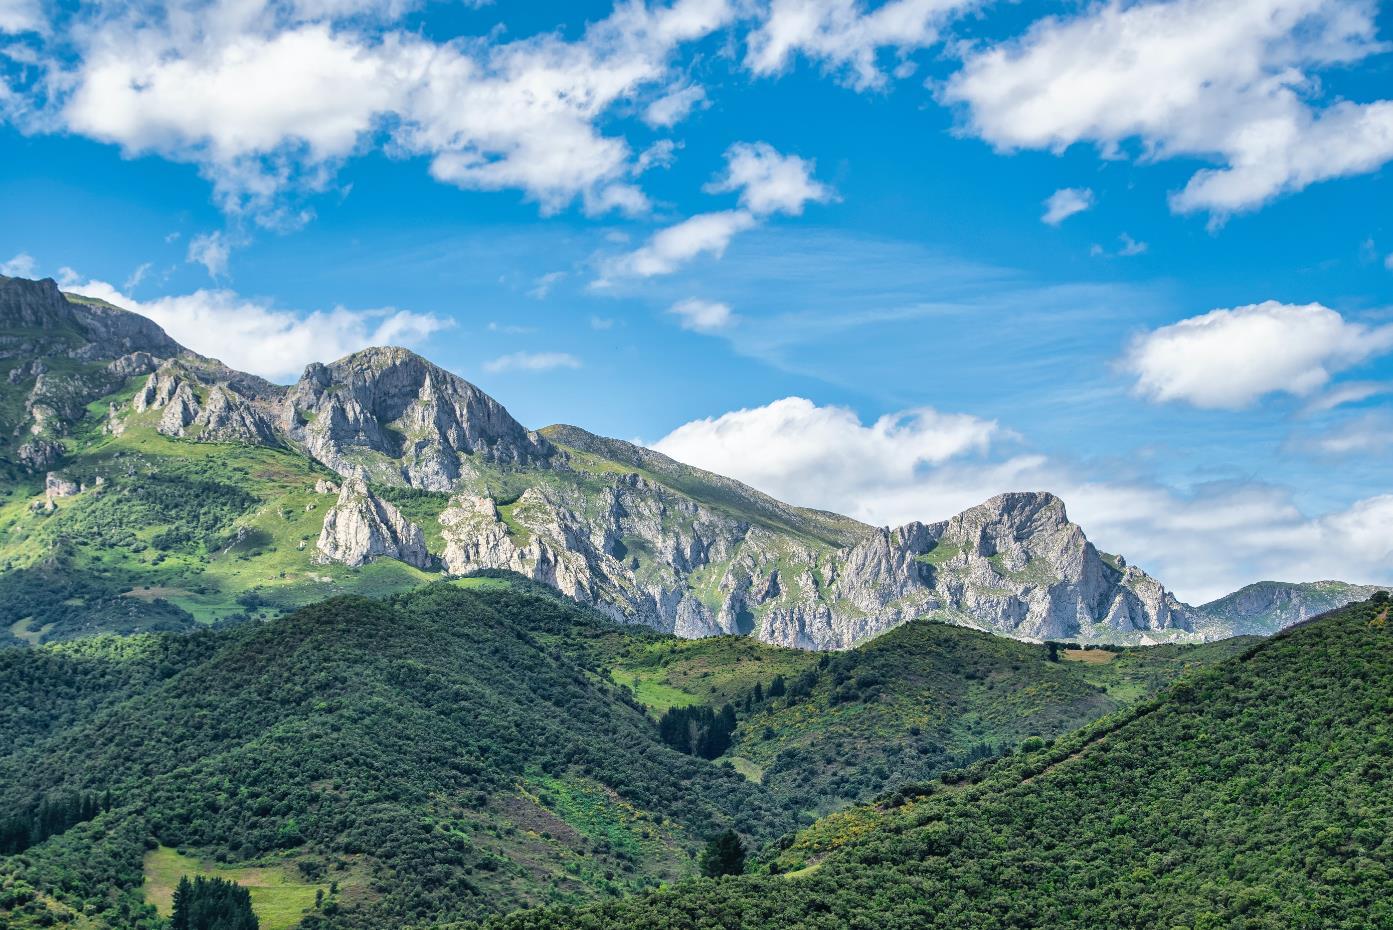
[154, 488]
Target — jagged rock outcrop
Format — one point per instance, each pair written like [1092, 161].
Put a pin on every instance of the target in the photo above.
[393, 416]
[199, 401]
[55, 485]
[646, 553]
[361, 527]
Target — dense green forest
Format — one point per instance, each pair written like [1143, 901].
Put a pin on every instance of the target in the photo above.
[431, 755]
[472, 748]
[1253, 795]
[825, 730]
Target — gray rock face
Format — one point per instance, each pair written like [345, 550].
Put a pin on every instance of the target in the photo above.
[391, 415]
[106, 332]
[55, 485]
[645, 553]
[1268, 606]
[198, 402]
[361, 527]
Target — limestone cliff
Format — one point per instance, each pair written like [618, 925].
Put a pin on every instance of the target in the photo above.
[361, 527]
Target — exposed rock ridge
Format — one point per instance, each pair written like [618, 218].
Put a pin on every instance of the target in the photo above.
[389, 414]
[361, 527]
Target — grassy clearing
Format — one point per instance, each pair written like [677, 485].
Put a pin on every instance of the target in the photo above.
[651, 691]
[745, 767]
[280, 903]
[1089, 656]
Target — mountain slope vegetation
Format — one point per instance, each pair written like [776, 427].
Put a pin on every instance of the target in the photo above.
[429, 754]
[1253, 795]
[475, 747]
[827, 730]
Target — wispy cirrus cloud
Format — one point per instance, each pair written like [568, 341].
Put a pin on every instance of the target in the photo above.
[768, 183]
[532, 361]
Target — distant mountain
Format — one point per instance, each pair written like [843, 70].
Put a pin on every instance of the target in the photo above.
[1268, 606]
[1253, 794]
[155, 488]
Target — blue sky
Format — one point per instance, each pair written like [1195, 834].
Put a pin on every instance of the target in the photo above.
[808, 243]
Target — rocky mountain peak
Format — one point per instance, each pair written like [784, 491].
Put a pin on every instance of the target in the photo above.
[388, 413]
[101, 330]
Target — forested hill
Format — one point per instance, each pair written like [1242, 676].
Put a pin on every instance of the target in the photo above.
[430, 756]
[1255, 795]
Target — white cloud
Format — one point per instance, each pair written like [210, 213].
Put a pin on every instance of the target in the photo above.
[703, 316]
[212, 251]
[601, 323]
[1349, 392]
[768, 183]
[269, 97]
[1232, 80]
[844, 37]
[824, 456]
[670, 248]
[1388, 261]
[1130, 246]
[251, 335]
[1227, 359]
[21, 266]
[532, 361]
[1065, 202]
[541, 288]
[137, 276]
[1364, 435]
[672, 107]
[926, 465]
[18, 16]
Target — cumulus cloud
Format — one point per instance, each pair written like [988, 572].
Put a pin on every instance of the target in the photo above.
[271, 96]
[927, 465]
[252, 335]
[532, 361]
[1065, 202]
[703, 316]
[823, 456]
[21, 266]
[768, 183]
[844, 37]
[1231, 80]
[1227, 359]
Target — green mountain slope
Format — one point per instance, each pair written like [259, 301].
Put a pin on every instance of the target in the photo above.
[431, 755]
[922, 699]
[475, 747]
[1253, 795]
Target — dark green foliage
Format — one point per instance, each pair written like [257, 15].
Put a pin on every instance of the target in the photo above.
[212, 904]
[391, 733]
[698, 730]
[1052, 651]
[1253, 796]
[49, 817]
[723, 855]
[777, 687]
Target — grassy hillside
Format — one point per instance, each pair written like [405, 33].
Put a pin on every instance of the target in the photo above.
[924, 698]
[426, 756]
[1253, 795]
[178, 534]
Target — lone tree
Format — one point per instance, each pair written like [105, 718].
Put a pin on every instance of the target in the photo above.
[212, 904]
[724, 855]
